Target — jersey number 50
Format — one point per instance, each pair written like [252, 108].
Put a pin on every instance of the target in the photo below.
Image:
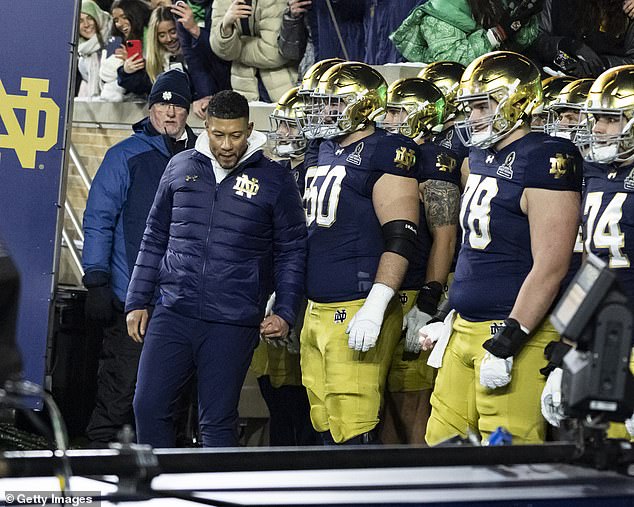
[476, 199]
[321, 196]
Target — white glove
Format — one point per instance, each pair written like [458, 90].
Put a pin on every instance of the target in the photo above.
[629, 425]
[495, 371]
[552, 409]
[437, 335]
[292, 342]
[269, 305]
[414, 321]
[364, 328]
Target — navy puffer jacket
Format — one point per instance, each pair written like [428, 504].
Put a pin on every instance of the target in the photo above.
[218, 250]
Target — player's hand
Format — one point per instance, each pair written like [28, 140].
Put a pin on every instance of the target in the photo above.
[137, 321]
[495, 371]
[552, 408]
[428, 335]
[629, 425]
[292, 342]
[414, 321]
[364, 328]
[628, 8]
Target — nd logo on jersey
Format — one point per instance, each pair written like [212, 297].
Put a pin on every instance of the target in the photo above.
[25, 141]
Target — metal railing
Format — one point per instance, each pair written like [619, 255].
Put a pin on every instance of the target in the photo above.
[67, 240]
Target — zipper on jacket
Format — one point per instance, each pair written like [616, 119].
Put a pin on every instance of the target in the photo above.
[209, 224]
[230, 176]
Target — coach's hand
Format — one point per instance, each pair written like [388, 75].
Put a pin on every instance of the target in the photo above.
[137, 321]
[274, 327]
[364, 328]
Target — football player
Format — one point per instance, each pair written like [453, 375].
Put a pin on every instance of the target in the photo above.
[564, 113]
[446, 76]
[276, 362]
[513, 257]
[551, 86]
[415, 107]
[607, 145]
[361, 203]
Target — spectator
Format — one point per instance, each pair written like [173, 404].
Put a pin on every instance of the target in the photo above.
[130, 19]
[585, 37]
[162, 52]
[247, 36]
[461, 30]
[117, 207]
[309, 35]
[215, 262]
[295, 41]
[209, 73]
[94, 32]
[381, 18]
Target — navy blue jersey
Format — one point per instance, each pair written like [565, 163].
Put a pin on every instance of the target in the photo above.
[433, 162]
[298, 171]
[449, 139]
[495, 255]
[608, 219]
[345, 241]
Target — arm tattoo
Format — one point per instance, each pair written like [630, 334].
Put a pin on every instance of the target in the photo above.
[442, 203]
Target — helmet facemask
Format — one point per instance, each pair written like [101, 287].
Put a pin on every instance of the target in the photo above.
[489, 129]
[285, 139]
[337, 115]
[607, 148]
[560, 122]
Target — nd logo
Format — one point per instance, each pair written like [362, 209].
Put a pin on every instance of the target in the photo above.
[26, 142]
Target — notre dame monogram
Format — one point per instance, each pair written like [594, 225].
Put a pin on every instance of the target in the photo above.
[25, 141]
[405, 158]
[246, 186]
[560, 163]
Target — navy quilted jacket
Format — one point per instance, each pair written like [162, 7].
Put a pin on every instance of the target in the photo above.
[218, 250]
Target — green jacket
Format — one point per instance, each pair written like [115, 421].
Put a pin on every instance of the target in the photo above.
[446, 30]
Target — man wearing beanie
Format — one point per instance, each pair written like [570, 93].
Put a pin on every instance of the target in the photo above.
[118, 204]
[226, 229]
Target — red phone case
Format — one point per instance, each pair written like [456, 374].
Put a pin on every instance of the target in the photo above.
[134, 48]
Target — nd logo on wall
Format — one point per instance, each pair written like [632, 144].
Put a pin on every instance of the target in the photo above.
[26, 140]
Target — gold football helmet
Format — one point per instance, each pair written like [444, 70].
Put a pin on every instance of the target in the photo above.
[610, 100]
[571, 99]
[418, 105]
[350, 96]
[551, 87]
[509, 85]
[446, 76]
[308, 85]
[285, 138]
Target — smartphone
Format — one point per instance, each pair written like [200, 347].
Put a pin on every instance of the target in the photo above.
[135, 47]
[564, 61]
